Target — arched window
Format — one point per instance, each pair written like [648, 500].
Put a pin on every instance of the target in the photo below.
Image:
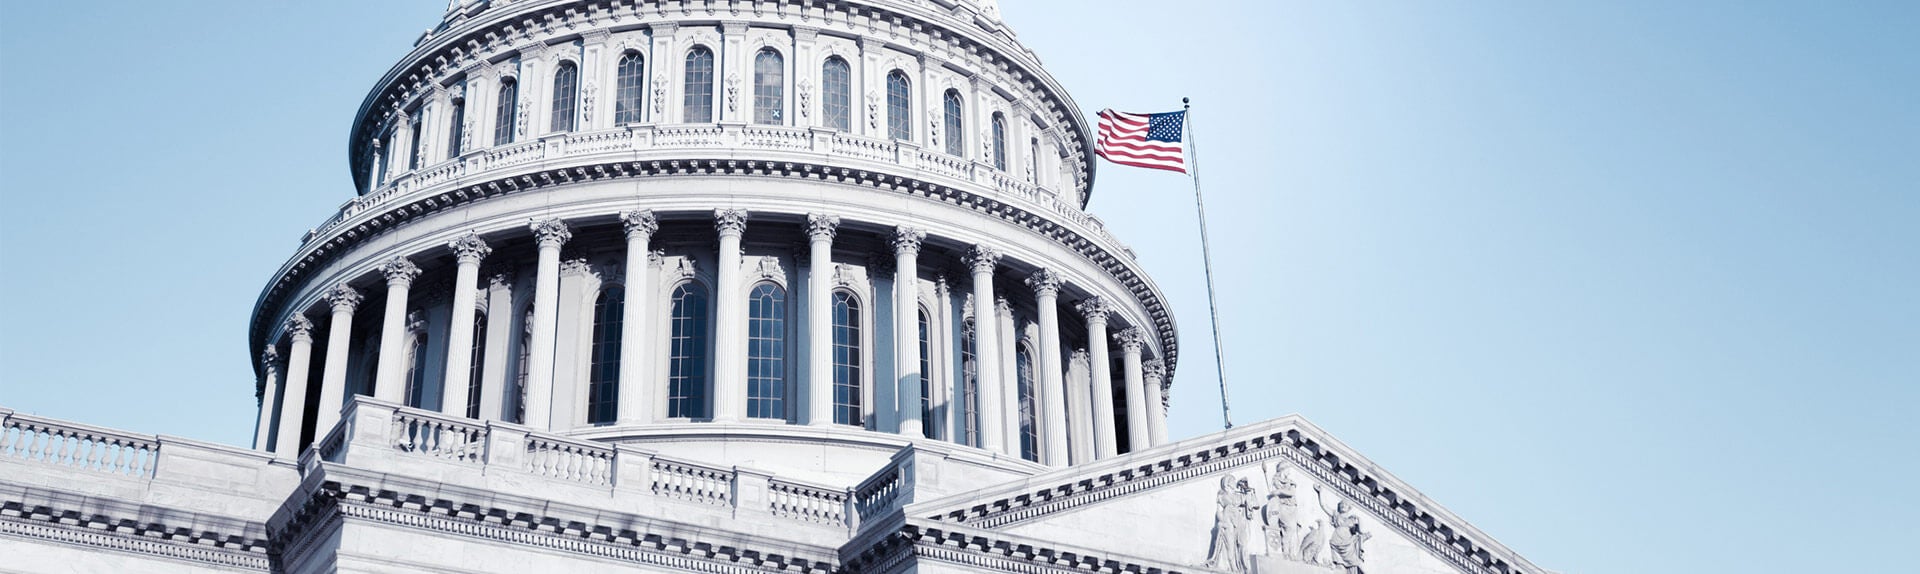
[1033, 160]
[698, 105]
[385, 156]
[999, 142]
[475, 370]
[413, 147]
[899, 106]
[503, 108]
[631, 90]
[566, 85]
[603, 374]
[524, 365]
[417, 370]
[926, 378]
[1029, 426]
[846, 360]
[769, 82]
[767, 352]
[687, 353]
[970, 387]
[836, 94]
[454, 135]
[955, 128]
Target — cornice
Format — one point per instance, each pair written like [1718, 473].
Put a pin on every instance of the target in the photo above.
[108, 525]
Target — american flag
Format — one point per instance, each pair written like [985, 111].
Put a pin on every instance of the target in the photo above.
[1143, 140]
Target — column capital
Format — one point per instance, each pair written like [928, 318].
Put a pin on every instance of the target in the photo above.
[270, 359]
[1045, 283]
[730, 221]
[640, 221]
[822, 226]
[343, 298]
[906, 240]
[299, 329]
[469, 248]
[1131, 339]
[400, 271]
[1153, 368]
[550, 232]
[1095, 309]
[983, 259]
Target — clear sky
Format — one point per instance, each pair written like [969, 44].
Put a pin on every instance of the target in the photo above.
[1632, 286]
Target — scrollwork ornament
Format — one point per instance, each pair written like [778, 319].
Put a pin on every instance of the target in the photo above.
[805, 94]
[400, 271]
[982, 259]
[469, 249]
[730, 221]
[270, 359]
[1044, 282]
[873, 110]
[659, 94]
[1153, 369]
[343, 298]
[300, 328]
[733, 92]
[1095, 309]
[907, 240]
[550, 232]
[587, 94]
[640, 222]
[520, 119]
[821, 226]
[1131, 339]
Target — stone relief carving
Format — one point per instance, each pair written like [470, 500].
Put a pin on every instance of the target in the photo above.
[733, 92]
[1345, 542]
[1233, 512]
[520, 119]
[873, 110]
[806, 91]
[586, 102]
[1333, 543]
[659, 94]
[769, 269]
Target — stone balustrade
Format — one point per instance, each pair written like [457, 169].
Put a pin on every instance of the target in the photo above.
[46, 441]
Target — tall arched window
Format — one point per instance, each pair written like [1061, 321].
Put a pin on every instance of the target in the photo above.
[926, 378]
[769, 83]
[1029, 426]
[603, 374]
[899, 106]
[955, 128]
[1033, 160]
[846, 360]
[384, 158]
[503, 108]
[417, 370]
[454, 135]
[631, 89]
[767, 352]
[566, 86]
[476, 369]
[687, 353]
[836, 94]
[697, 108]
[414, 131]
[999, 142]
[969, 386]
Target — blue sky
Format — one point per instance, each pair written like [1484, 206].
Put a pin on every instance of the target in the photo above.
[1631, 286]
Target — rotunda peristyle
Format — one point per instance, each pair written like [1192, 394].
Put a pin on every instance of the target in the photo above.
[730, 228]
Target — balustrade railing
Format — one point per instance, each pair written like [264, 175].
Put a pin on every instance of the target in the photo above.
[567, 459]
[32, 439]
[439, 436]
[877, 494]
[809, 503]
[692, 481]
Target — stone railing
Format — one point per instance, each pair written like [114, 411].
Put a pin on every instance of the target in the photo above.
[46, 441]
[879, 493]
[646, 141]
[381, 436]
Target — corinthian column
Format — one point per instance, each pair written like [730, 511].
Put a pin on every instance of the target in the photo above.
[730, 344]
[269, 396]
[634, 394]
[986, 350]
[549, 234]
[1138, 431]
[906, 329]
[1053, 405]
[1096, 310]
[820, 231]
[468, 250]
[1154, 372]
[294, 406]
[333, 379]
[390, 385]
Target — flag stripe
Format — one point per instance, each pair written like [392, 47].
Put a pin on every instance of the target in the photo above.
[1151, 141]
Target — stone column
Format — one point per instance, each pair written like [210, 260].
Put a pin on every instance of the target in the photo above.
[730, 343]
[1138, 431]
[1154, 373]
[820, 232]
[986, 350]
[549, 234]
[1053, 410]
[1096, 311]
[333, 378]
[468, 250]
[269, 396]
[634, 390]
[390, 384]
[294, 406]
[906, 328]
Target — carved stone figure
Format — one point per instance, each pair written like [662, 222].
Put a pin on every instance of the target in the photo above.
[1282, 514]
[1344, 543]
[1233, 514]
[1311, 544]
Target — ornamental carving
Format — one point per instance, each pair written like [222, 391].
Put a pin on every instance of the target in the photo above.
[822, 227]
[466, 135]
[730, 221]
[873, 110]
[1045, 283]
[270, 359]
[1323, 536]
[575, 266]
[1232, 519]
[469, 249]
[1131, 339]
[344, 298]
[500, 277]
[550, 232]
[1095, 309]
[659, 95]
[639, 221]
[768, 268]
[907, 240]
[982, 259]
[1153, 368]
[299, 328]
[520, 119]
[399, 271]
[805, 89]
[733, 92]
[587, 94]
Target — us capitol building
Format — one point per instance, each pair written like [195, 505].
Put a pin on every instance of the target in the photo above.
[724, 286]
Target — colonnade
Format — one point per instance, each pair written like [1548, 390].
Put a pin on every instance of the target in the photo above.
[1074, 423]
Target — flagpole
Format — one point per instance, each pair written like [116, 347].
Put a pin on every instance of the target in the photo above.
[1206, 255]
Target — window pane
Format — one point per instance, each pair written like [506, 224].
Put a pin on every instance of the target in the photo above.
[1029, 427]
[956, 129]
[503, 112]
[687, 353]
[969, 383]
[479, 359]
[565, 83]
[899, 107]
[699, 86]
[413, 147]
[603, 373]
[836, 94]
[767, 352]
[769, 79]
[630, 93]
[454, 129]
[926, 380]
[846, 360]
[417, 371]
[999, 142]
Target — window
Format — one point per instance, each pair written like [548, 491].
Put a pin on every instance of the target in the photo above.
[999, 142]
[767, 352]
[836, 94]
[1029, 427]
[687, 353]
[846, 360]
[603, 374]
[384, 155]
[1033, 160]
[926, 379]
[503, 109]
[454, 130]
[698, 106]
[899, 106]
[524, 363]
[969, 385]
[631, 89]
[566, 84]
[955, 128]
[769, 79]
[479, 358]
[417, 370]
[413, 147]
